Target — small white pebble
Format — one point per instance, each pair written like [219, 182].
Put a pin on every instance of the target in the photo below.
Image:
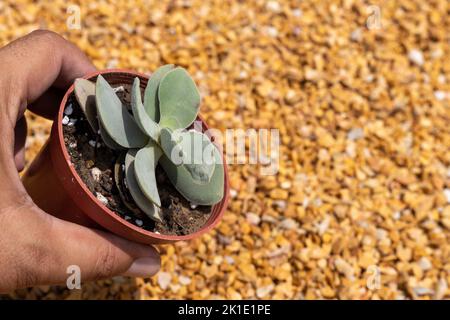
[112, 64]
[139, 222]
[128, 218]
[199, 75]
[233, 193]
[322, 227]
[102, 198]
[290, 96]
[416, 56]
[267, 218]
[305, 202]
[253, 218]
[193, 206]
[243, 75]
[183, 280]
[344, 268]
[258, 62]
[92, 143]
[229, 260]
[262, 292]
[69, 110]
[369, 78]
[72, 122]
[73, 145]
[286, 184]
[441, 289]
[355, 134]
[356, 35]
[397, 215]
[164, 279]
[447, 194]
[289, 224]
[425, 264]
[439, 95]
[381, 234]
[350, 149]
[119, 89]
[421, 291]
[273, 6]
[280, 204]
[318, 202]
[95, 174]
[65, 120]
[297, 13]
[272, 31]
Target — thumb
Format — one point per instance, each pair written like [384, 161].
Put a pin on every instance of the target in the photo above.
[101, 254]
[44, 247]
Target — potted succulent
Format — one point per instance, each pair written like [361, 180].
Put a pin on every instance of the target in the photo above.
[124, 155]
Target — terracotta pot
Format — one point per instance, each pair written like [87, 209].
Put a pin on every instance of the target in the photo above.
[55, 186]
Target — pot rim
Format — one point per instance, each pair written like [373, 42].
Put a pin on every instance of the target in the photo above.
[210, 224]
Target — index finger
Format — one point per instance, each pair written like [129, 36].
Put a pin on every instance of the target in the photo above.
[36, 62]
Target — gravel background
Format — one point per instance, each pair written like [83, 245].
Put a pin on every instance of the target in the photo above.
[360, 92]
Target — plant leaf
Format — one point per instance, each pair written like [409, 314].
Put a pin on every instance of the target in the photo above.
[170, 146]
[192, 149]
[151, 102]
[122, 186]
[85, 95]
[115, 118]
[147, 206]
[107, 140]
[144, 166]
[198, 193]
[198, 155]
[144, 121]
[179, 99]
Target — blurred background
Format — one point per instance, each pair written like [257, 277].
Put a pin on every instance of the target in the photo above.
[360, 91]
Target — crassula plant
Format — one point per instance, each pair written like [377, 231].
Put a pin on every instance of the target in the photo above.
[152, 132]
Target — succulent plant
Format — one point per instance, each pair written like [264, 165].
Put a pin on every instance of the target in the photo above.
[154, 132]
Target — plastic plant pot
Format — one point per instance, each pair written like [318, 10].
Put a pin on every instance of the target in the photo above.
[54, 185]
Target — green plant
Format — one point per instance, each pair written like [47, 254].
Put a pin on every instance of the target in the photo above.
[154, 132]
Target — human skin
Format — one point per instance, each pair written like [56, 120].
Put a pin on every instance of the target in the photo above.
[35, 247]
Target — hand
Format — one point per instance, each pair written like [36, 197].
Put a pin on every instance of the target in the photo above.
[36, 248]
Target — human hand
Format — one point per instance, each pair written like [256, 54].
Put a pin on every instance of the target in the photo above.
[36, 248]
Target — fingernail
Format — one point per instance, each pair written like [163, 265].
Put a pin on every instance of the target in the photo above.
[144, 267]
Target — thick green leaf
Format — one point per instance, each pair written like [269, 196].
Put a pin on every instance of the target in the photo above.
[145, 122]
[151, 102]
[197, 193]
[147, 206]
[107, 140]
[179, 99]
[198, 155]
[85, 95]
[171, 146]
[192, 149]
[115, 118]
[144, 166]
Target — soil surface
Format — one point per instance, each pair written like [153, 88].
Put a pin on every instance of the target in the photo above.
[94, 163]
